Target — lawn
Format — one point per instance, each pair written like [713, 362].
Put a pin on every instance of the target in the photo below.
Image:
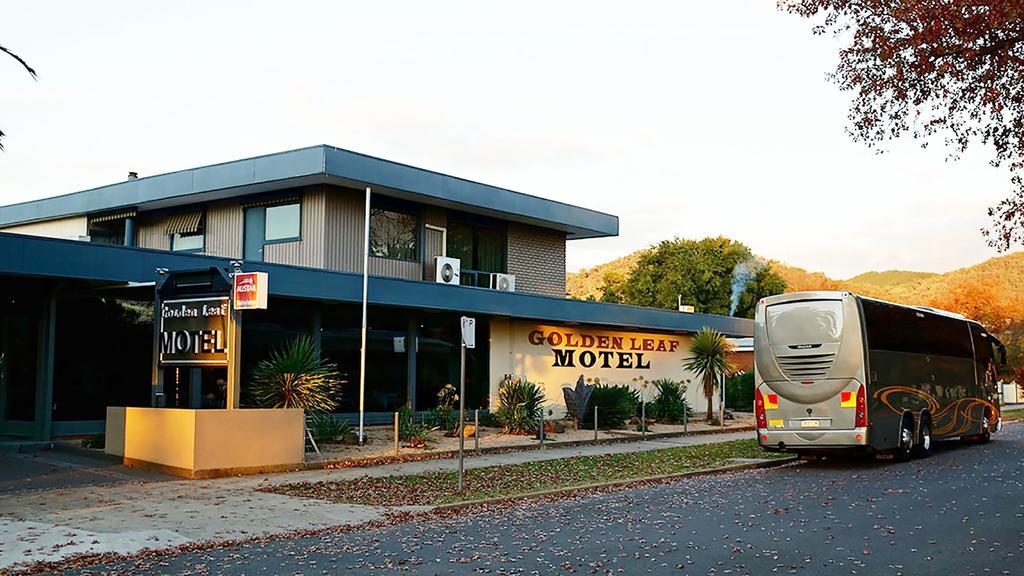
[515, 479]
[1013, 415]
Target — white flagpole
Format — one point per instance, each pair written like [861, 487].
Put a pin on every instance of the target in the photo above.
[362, 347]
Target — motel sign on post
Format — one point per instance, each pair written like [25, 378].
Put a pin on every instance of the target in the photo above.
[249, 291]
[193, 331]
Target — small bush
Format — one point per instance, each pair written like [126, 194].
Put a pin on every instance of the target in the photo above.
[739, 392]
[325, 428]
[489, 420]
[98, 441]
[445, 416]
[670, 406]
[408, 429]
[519, 406]
[615, 405]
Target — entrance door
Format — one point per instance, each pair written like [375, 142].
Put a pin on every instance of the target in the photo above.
[254, 235]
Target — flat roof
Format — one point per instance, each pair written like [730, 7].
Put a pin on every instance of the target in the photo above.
[317, 165]
[52, 258]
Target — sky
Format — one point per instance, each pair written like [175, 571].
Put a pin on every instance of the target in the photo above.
[682, 118]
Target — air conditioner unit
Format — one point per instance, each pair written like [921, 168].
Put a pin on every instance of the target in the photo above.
[503, 282]
[446, 270]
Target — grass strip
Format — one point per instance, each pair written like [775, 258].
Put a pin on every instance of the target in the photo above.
[1013, 415]
[437, 488]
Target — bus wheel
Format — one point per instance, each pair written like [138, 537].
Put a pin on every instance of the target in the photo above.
[986, 434]
[923, 448]
[905, 449]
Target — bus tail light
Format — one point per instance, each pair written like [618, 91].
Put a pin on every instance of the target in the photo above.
[762, 420]
[862, 408]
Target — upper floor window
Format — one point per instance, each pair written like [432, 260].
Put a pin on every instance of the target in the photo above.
[393, 234]
[186, 231]
[188, 242]
[480, 246]
[283, 223]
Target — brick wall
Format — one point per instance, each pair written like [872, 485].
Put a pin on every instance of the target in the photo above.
[537, 258]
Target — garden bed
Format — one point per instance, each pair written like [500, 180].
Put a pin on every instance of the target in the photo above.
[439, 488]
[381, 440]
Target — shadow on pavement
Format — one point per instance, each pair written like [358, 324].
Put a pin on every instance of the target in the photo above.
[66, 468]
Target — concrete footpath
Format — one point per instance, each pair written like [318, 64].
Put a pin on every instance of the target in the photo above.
[125, 513]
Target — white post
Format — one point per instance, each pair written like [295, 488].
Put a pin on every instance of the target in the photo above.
[362, 346]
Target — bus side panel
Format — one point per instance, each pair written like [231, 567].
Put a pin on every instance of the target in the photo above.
[941, 385]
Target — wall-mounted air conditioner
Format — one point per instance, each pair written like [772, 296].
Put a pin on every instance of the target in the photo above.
[446, 270]
[503, 282]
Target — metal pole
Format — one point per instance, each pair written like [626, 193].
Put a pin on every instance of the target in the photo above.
[595, 422]
[685, 419]
[396, 433]
[362, 346]
[722, 407]
[542, 427]
[476, 429]
[643, 418]
[462, 415]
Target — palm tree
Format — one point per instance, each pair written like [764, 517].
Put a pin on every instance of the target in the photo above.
[26, 67]
[710, 360]
[296, 377]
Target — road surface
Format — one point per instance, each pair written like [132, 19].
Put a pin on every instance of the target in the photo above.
[959, 512]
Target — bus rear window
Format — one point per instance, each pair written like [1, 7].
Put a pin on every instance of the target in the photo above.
[805, 322]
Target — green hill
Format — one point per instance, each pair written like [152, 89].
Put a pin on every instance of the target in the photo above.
[889, 278]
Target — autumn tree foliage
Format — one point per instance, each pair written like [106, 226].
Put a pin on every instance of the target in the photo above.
[982, 298]
[985, 298]
[946, 69]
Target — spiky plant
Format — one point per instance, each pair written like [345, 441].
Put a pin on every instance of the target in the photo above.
[709, 360]
[519, 405]
[296, 377]
[670, 405]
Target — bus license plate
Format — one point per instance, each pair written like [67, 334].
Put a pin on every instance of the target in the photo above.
[810, 423]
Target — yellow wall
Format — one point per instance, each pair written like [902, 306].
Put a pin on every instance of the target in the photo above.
[514, 351]
[248, 438]
[208, 442]
[165, 436]
[66, 228]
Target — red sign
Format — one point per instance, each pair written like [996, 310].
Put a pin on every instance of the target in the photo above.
[250, 291]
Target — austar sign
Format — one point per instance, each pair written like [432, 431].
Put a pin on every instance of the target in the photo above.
[250, 291]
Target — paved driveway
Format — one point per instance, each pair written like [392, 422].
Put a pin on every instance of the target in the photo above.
[55, 469]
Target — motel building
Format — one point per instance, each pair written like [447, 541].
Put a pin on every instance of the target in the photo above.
[117, 299]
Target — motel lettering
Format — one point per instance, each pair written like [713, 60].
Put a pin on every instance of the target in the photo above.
[194, 332]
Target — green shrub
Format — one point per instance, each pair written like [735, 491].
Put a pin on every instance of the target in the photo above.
[615, 405]
[444, 415]
[670, 405]
[325, 428]
[489, 419]
[739, 392]
[98, 441]
[519, 406]
[408, 429]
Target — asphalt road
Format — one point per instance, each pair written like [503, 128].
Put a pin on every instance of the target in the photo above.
[959, 512]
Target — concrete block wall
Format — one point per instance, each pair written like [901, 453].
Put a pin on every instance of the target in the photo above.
[537, 258]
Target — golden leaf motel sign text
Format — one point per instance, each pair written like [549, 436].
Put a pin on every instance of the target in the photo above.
[194, 331]
[579, 350]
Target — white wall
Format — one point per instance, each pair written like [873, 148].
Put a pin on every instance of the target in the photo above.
[65, 228]
[516, 349]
